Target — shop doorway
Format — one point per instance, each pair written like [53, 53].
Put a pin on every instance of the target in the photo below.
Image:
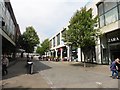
[115, 51]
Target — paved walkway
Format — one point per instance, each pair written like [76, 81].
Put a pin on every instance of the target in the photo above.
[74, 75]
[89, 67]
[17, 77]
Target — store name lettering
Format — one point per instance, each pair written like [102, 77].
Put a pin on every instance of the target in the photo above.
[114, 39]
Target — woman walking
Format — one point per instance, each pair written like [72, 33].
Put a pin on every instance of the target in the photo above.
[114, 68]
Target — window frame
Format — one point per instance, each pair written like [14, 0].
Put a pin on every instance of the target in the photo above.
[111, 15]
[104, 12]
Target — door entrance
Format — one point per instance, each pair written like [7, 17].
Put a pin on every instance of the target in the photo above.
[115, 51]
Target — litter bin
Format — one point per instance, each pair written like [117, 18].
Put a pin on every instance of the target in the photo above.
[30, 67]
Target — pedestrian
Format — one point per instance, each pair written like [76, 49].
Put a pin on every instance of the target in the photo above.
[5, 63]
[31, 57]
[39, 57]
[114, 68]
[118, 65]
[28, 58]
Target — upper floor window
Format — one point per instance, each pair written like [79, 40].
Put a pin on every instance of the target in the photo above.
[50, 43]
[54, 42]
[108, 13]
[109, 5]
[100, 9]
[2, 10]
[63, 32]
[111, 16]
[58, 39]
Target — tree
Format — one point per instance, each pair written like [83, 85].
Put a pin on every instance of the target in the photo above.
[40, 50]
[44, 47]
[81, 32]
[29, 39]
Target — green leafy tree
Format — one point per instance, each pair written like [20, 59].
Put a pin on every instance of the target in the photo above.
[29, 39]
[44, 47]
[81, 32]
[40, 50]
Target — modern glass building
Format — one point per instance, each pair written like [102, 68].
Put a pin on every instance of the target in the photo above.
[9, 29]
[109, 24]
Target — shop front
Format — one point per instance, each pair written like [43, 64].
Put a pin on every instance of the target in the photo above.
[110, 46]
[114, 44]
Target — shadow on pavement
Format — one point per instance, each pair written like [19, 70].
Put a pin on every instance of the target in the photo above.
[19, 68]
[39, 66]
[82, 64]
[16, 70]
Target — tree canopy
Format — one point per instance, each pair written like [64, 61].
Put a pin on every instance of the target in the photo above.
[44, 47]
[81, 32]
[29, 39]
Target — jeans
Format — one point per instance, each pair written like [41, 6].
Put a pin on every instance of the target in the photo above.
[116, 73]
[4, 70]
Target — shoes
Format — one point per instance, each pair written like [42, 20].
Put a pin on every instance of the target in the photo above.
[118, 77]
[114, 77]
[110, 76]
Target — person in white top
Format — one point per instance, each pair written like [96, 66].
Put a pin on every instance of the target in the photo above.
[5, 63]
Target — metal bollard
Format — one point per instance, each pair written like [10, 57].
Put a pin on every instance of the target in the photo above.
[30, 67]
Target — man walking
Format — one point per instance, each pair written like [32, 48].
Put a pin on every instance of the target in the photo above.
[5, 63]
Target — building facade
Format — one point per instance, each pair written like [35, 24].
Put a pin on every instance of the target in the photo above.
[58, 49]
[109, 25]
[108, 44]
[9, 29]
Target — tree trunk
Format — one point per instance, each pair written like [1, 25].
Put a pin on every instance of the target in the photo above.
[85, 50]
[70, 53]
[88, 54]
[84, 64]
[84, 59]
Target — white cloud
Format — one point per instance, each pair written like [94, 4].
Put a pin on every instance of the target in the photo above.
[46, 16]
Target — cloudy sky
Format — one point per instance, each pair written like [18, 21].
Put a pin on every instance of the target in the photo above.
[46, 16]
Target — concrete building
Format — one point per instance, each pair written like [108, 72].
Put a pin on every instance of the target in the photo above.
[9, 29]
[58, 49]
[109, 24]
[108, 45]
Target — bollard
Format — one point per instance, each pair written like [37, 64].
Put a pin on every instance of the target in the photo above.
[30, 67]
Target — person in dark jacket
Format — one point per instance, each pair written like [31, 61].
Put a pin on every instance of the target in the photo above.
[28, 58]
[114, 68]
[118, 65]
[5, 63]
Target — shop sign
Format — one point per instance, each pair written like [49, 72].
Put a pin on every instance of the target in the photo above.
[114, 39]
